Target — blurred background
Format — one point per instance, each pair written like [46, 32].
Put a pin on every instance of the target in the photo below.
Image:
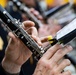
[55, 15]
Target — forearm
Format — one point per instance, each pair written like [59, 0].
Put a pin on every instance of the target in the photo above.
[10, 67]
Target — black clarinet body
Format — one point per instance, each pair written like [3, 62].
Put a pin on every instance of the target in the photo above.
[15, 27]
[55, 10]
[24, 9]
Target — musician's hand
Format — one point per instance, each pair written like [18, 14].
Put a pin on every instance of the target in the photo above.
[50, 63]
[36, 14]
[17, 53]
[47, 29]
[33, 12]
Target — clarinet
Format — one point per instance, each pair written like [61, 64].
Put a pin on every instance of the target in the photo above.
[55, 10]
[15, 27]
[24, 9]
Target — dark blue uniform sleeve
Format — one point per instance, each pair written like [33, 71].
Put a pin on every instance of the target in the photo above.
[3, 72]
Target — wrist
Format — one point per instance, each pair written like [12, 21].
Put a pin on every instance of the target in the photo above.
[10, 66]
